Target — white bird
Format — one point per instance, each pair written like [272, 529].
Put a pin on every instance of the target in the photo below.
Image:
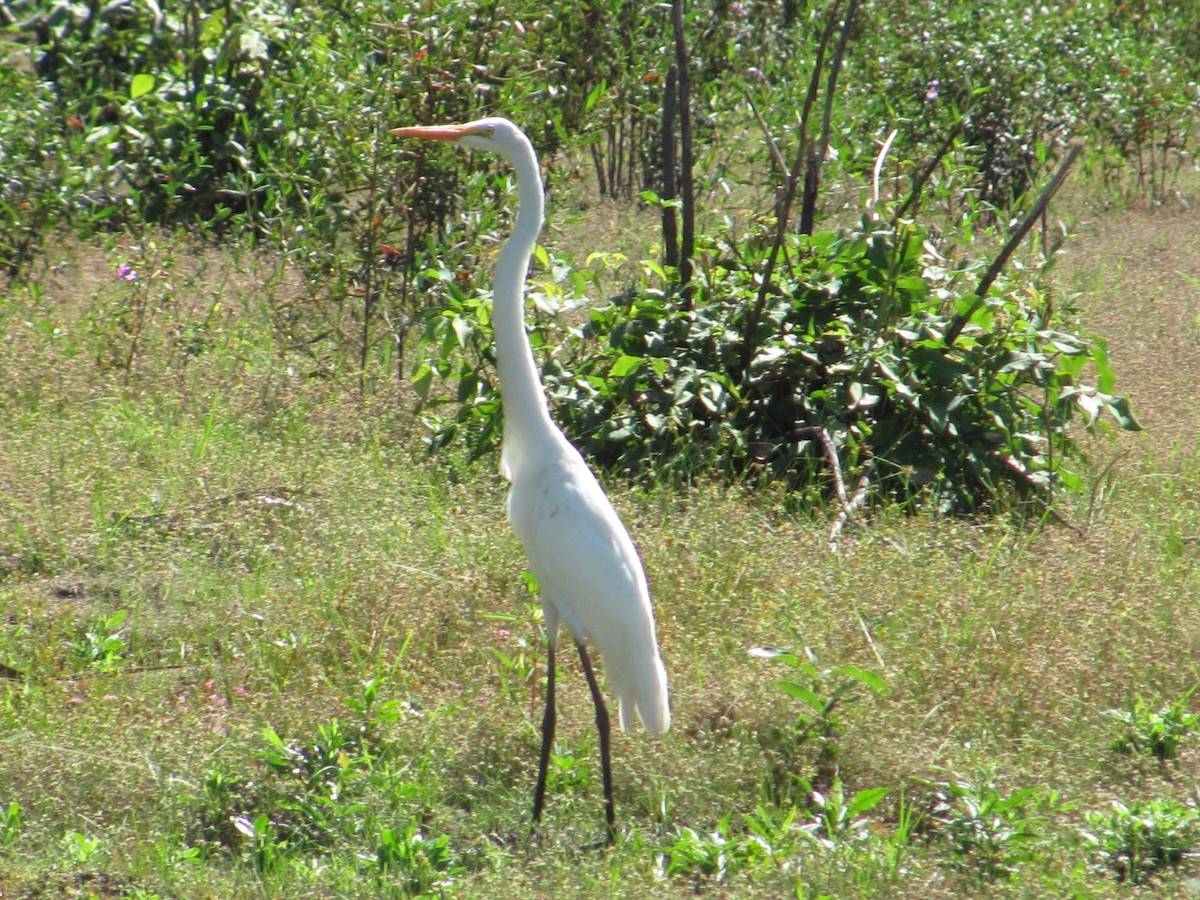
[588, 572]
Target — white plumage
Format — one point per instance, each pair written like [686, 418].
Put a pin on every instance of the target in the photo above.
[588, 571]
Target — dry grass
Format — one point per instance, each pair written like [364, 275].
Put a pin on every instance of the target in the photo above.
[1138, 271]
[277, 540]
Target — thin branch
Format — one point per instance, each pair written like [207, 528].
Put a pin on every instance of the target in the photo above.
[1014, 241]
[670, 224]
[927, 172]
[877, 171]
[848, 509]
[686, 180]
[812, 175]
[776, 154]
[784, 213]
[847, 506]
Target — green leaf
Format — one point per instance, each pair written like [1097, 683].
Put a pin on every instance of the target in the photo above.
[141, 85]
[595, 94]
[865, 801]
[422, 380]
[873, 680]
[625, 365]
[800, 692]
[1121, 411]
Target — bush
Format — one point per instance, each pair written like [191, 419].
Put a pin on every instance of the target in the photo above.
[850, 353]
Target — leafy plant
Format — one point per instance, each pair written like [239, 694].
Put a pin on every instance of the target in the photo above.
[849, 358]
[821, 690]
[1140, 839]
[1154, 732]
[837, 818]
[710, 856]
[989, 830]
[81, 848]
[775, 830]
[267, 850]
[31, 190]
[10, 822]
[316, 794]
[424, 864]
[100, 642]
[846, 367]
[322, 765]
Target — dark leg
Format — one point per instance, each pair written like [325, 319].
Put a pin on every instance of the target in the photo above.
[610, 813]
[539, 794]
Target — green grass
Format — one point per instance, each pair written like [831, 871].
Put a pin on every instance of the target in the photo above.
[256, 642]
[275, 541]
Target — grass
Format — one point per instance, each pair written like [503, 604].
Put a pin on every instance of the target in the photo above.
[275, 541]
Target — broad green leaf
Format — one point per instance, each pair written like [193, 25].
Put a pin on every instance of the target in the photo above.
[422, 380]
[141, 85]
[625, 365]
[800, 692]
[595, 94]
[1121, 411]
[866, 800]
[1105, 376]
[873, 680]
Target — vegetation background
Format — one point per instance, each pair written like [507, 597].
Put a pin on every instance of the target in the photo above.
[850, 372]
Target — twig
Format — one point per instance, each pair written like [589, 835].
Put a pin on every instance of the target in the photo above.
[847, 506]
[776, 154]
[784, 213]
[670, 225]
[686, 180]
[812, 175]
[1014, 241]
[877, 172]
[870, 639]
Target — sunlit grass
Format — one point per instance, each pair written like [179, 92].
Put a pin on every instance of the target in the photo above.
[276, 540]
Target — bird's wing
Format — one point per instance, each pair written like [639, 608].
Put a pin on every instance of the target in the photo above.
[589, 572]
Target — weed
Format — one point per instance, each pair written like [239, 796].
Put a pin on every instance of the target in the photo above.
[837, 818]
[267, 851]
[820, 690]
[100, 643]
[81, 848]
[10, 822]
[424, 864]
[1154, 732]
[712, 856]
[1137, 840]
[990, 831]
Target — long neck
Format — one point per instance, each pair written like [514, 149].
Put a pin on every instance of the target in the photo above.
[526, 415]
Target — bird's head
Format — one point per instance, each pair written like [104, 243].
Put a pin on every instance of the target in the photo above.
[495, 134]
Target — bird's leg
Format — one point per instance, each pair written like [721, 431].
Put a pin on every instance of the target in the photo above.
[610, 813]
[539, 794]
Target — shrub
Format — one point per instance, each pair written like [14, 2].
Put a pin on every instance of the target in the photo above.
[851, 347]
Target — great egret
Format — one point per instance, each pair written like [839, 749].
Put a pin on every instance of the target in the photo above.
[586, 567]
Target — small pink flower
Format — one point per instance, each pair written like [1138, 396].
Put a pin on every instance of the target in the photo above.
[240, 690]
[932, 91]
[126, 272]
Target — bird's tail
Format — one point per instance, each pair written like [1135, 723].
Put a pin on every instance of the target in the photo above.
[646, 694]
